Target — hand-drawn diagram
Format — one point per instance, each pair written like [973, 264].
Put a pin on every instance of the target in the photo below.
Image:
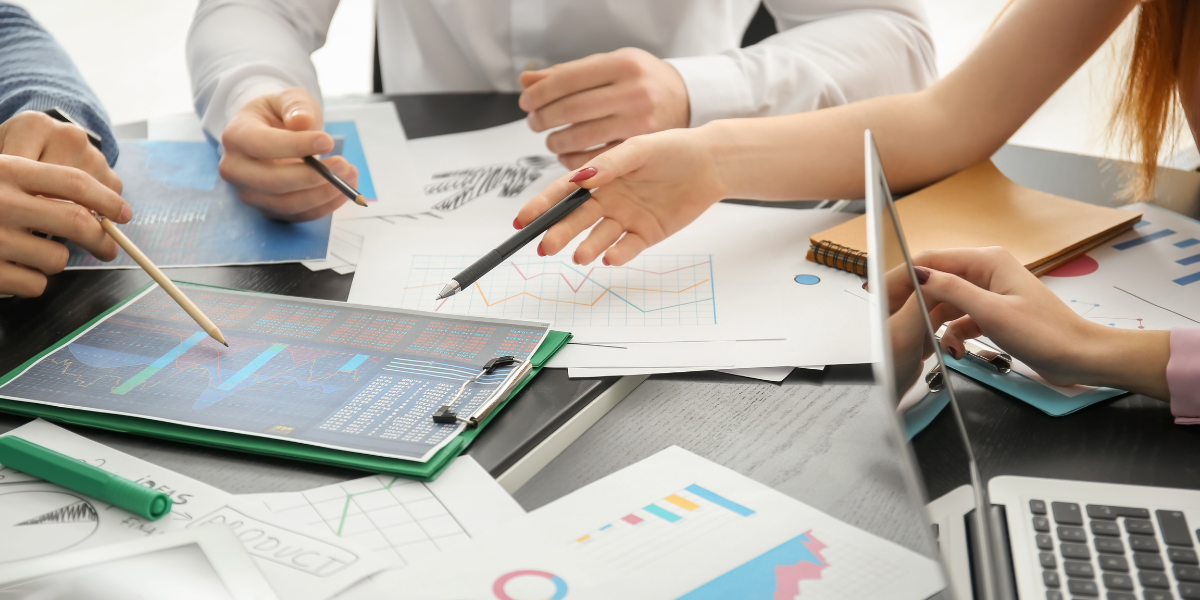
[29, 530]
[465, 185]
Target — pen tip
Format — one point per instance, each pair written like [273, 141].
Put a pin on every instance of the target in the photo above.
[360, 200]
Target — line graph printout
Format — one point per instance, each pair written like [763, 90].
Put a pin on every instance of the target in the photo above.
[653, 290]
[315, 372]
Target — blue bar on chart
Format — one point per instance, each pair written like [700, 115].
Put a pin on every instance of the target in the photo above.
[254, 365]
[158, 365]
[353, 363]
[1189, 260]
[662, 513]
[1193, 278]
[1135, 242]
[719, 500]
[1187, 243]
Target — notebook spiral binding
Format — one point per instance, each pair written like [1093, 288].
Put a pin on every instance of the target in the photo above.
[841, 257]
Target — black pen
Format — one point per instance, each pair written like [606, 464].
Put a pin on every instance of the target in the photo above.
[492, 259]
[337, 182]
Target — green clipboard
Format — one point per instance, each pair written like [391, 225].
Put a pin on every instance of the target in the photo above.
[426, 471]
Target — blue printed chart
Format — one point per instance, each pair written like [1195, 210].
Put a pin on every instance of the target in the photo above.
[322, 373]
[1148, 278]
[184, 214]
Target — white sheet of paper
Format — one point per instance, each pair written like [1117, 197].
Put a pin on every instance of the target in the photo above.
[670, 525]
[404, 521]
[645, 355]
[299, 565]
[183, 127]
[773, 374]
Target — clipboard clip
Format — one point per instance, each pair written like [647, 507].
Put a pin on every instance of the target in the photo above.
[446, 415]
[983, 353]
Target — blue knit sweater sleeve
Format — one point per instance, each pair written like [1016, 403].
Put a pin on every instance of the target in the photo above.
[37, 74]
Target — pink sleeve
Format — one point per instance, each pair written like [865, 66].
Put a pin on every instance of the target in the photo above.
[1183, 376]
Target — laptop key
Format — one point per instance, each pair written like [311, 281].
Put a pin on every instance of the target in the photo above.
[1037, 507]
[1150, 562]
[1157, 595]
[1182, 556]
[1174, 528]
[1113, 581]
[1047, 559]
[1083, 587]
[1072, 534]
[1185, 573]
[1056, 595]
[1142, 543]
[1105, 528]
[1121, 596]
[1078, 569]
[1066, 513]
[1110, 563]
[1041, 524]
[1050, 578]
[1152, 579]
[1189, 591]
[1139, 527]
[1109, 545]
[1098, 511]
[1044, 541]
[1074, 551]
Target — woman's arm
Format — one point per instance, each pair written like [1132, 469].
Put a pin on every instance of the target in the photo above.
[654, 185]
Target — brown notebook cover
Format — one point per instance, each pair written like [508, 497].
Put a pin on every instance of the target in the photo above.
[980, 207]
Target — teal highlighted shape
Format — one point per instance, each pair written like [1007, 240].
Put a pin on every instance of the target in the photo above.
[767, 576]
[253, 366]
[352, 151]
[353, 363]
[662, 513]
[808, 279]
[158, 365]
[719, 500]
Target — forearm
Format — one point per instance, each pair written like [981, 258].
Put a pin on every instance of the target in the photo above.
[237, 50]
[36, 74]
[1134, 360]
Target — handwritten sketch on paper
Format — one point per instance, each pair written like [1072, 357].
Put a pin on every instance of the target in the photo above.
[465, 185]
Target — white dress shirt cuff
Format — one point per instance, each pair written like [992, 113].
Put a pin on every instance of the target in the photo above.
[234, 89]
[717, 87]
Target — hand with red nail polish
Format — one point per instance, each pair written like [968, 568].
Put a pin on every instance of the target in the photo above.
[645, 190]
[265, 143]
[603, 99]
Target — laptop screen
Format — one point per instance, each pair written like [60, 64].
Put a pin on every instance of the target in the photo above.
[904, 345]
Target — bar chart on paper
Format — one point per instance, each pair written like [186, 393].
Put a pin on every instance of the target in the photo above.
[666, 290]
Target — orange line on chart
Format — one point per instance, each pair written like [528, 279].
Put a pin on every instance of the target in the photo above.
[592, 303]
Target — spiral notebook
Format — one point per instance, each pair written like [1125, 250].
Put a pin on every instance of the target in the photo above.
[980, 207]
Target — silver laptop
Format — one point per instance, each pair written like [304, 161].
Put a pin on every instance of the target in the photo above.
[1034, 538]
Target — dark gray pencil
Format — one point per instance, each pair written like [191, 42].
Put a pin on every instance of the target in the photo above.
[337, 182]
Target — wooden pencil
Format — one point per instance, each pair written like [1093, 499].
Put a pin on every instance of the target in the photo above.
[166, 284]
[337, 182]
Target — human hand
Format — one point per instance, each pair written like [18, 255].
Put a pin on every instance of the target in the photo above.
[605, 98]
[26, 206]
[265, 144]
[39, 137]
[1009, 305]
[910, 339]
[651, 187]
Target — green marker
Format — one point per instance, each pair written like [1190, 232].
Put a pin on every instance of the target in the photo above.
[81, 477]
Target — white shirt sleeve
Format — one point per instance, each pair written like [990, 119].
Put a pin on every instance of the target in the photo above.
[240, 49]
[827, 52]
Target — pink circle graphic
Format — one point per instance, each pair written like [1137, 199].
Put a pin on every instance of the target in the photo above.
[560, 586]
[1084, 265]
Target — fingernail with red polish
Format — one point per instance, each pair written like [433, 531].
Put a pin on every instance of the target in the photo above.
[517, 223]
[865, 284]
[540, 251]
[922, 274]
[605, 261]
[584, 175]
[953, 353]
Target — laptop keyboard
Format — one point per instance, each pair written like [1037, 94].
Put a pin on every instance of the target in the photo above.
[1114, 552]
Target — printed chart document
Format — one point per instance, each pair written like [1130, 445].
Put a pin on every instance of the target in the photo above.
[737, 274]
[329, 374]
[673, 526]
[399, 519]
[41, 519]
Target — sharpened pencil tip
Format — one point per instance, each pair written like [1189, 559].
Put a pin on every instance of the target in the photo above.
[360, 200]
